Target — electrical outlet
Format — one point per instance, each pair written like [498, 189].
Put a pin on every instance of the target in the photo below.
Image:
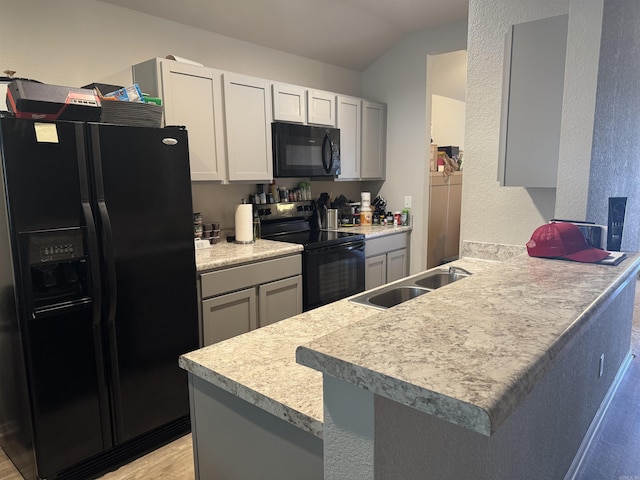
[407, 201]
[601, 366]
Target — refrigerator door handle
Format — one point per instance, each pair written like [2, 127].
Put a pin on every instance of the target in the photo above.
[92, 235]
[96, 280]
[112, 302]
[109, 262]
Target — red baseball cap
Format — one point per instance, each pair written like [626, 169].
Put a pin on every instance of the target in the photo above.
[563, 240]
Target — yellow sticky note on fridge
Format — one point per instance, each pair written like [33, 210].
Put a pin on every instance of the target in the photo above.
[46, 132]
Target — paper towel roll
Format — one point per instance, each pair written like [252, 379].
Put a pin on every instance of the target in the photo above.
[244, 223]
[183, 60]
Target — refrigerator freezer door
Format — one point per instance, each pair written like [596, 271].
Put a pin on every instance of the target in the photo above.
[42, 176]
[143, 196]
[53, 330]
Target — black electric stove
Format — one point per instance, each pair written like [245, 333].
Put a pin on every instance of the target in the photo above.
[315, 238]
[296, 222]
[332, 261]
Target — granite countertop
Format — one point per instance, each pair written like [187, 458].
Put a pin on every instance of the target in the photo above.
[260, 366]
[470, 352]
[225, 254]
[372, 231]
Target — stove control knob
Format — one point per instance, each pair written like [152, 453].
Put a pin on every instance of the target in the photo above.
[261, 212]
[267, 211]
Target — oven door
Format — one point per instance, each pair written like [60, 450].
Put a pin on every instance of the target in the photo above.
[331, 273]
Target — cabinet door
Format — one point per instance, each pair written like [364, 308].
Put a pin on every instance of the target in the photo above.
[375, 273]
[373, 154]
[396, 265]
[321, 108]
[192, 96]
[350, 124]
[437, 234]
[452, 246]
[280, 300]
[228, 315]
[289, 103]
[248, 116]
[533, 91]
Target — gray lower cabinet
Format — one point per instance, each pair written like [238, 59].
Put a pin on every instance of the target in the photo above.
[386, 259]
[233, 439]
[239, 299]
[228, 315]
[280, 300]
[397, 262]
[375, 271]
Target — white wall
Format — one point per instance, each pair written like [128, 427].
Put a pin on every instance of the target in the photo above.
[447, 121]
[448, 75]
[615, 156]
[491, 213]
[578, 109]
[446, 87]
[399, 78]
[77, 42]
[599, 146]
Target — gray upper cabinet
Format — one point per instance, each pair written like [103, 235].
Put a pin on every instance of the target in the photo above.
[350, 125]
[532, 103]
[373, 150]
[248, 116]
[192, 96]
[321, 108]
[289, 103]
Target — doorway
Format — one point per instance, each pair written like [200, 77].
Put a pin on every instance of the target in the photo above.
[446, 86]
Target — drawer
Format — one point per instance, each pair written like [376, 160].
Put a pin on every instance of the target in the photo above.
[249, 275]
[388, 243]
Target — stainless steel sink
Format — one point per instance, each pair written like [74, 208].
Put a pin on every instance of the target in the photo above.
[399, 292]
[438, 279]
[394, 296]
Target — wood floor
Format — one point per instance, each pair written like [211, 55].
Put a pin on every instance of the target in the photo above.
[171, 462]
[614, 454]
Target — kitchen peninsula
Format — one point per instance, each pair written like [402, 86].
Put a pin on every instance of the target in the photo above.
[489, 374]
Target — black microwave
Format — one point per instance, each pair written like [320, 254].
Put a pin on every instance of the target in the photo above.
[305, 151]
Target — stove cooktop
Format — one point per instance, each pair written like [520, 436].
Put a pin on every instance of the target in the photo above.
[317, 238]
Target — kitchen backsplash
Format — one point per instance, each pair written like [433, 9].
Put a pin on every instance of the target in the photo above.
[490, 251]
[217, 203]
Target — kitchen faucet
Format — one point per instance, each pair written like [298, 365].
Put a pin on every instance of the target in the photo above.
[453, 270]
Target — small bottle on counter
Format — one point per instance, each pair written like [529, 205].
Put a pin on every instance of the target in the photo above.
[404, 216]
[365, 216]
[397, 219]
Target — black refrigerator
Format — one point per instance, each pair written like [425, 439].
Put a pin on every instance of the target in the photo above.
[98, 294]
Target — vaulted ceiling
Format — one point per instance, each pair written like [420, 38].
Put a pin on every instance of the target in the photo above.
[347, 33]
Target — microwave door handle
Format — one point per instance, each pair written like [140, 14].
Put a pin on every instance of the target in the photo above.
[327, 150]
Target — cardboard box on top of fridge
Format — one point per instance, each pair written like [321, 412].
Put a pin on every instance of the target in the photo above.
[41, 101]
